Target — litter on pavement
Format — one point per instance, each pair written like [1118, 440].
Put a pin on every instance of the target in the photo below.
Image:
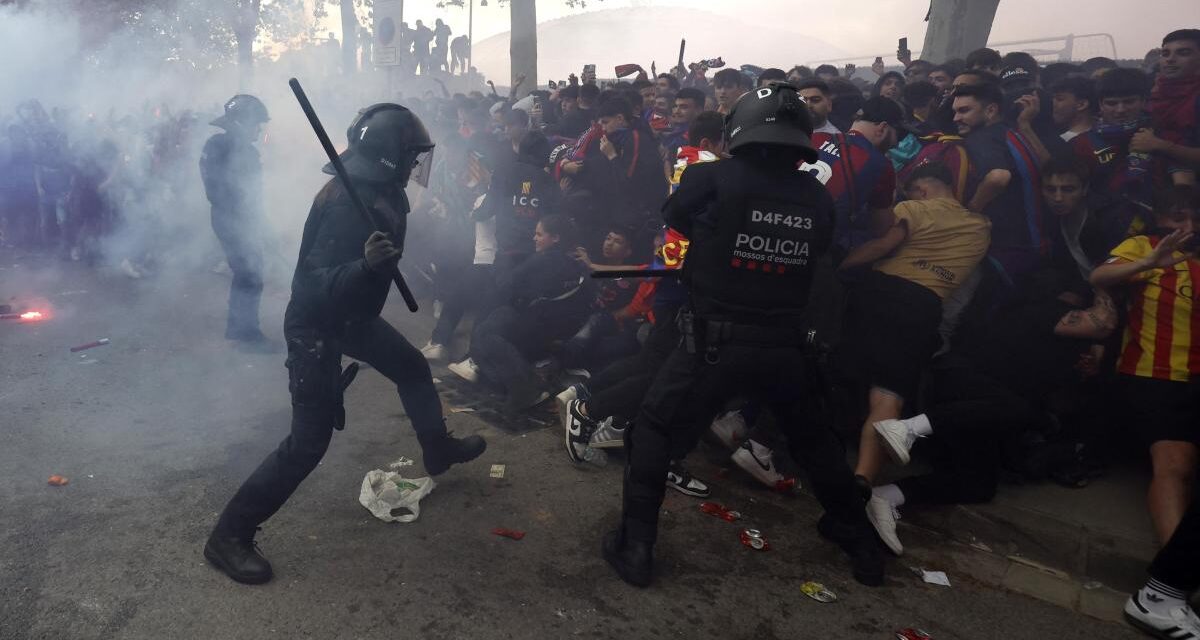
[497, 471]
[508, 533]
[392, 498]
[935, 577]
[57, 480]
[818, 592]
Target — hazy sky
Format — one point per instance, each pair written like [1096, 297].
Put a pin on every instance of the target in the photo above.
[872, 26]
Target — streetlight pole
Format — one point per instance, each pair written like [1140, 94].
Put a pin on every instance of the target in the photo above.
[470, 35]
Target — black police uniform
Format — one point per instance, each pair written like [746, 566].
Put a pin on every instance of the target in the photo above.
[334, 309]
[232, 173]
[757, 228]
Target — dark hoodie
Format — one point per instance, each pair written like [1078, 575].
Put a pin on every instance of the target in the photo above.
[520, 194]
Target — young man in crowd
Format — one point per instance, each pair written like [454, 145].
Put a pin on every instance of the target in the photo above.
[1126, 178]
[1175, 107]
[942, 77]
[819, 99]
[729, 85]
[771, 75]
[1160, 352]
[1087, 228]
[1008, 182]
[666, 83]
[856, 172]
[930, 245]
[1074, 106]
[985, 59]
[922, 99]
[689, 103]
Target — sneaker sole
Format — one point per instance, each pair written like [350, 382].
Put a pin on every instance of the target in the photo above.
[1145, 626]
[215, 561]
[564, 398]
[895, 450]
[469, 377]
[567, 436]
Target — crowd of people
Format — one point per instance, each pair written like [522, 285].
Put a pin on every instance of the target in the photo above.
[1009, 291]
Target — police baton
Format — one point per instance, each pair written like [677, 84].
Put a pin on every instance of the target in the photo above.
[336, 161]
[638, 273]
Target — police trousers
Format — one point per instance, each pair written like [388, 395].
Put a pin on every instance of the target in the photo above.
[316, 384]
[689, 391]
[243, 252]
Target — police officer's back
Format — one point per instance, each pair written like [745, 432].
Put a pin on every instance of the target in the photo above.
[757, 226]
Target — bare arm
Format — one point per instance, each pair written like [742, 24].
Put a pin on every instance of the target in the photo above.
[993, 184]
[1094, 323]
[1120, 271]
[876, 248]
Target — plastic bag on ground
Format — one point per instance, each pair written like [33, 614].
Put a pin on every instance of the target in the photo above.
[393, 498]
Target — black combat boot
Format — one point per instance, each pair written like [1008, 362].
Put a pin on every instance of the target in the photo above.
[866, 558]
[238, 558]
[444, 450]
[633, 560]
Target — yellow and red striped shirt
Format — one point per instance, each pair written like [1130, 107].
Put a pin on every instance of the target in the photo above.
[1162, 338]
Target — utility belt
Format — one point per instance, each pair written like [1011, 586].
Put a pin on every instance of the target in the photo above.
[316, 379]
[707, 335]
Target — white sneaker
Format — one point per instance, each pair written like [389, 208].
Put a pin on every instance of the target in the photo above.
[609, 435]
[730, 428]
[467, 370]
[755, 459]
[434, 351]
[897, 439]
[437, 309]
[883, 517]
[1180, 623]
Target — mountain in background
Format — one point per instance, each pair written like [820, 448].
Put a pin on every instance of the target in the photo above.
[641, 35]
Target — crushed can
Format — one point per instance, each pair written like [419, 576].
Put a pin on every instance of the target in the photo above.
[818, 592]
[754, 539]
[720, 511]
[912, 634]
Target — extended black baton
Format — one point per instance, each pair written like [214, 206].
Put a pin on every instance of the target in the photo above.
[638, 273]
[336, 161]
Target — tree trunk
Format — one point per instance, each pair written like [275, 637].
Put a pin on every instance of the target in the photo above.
[245, 29]
[349, 38]
[522, 47]
[957, 27]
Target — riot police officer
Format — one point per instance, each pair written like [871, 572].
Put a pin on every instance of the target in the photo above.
[232, 173]
[757, 228]
[341, 283]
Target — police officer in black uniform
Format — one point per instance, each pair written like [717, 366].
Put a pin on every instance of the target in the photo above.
[757, 228]
[232, 173]
[341, 283]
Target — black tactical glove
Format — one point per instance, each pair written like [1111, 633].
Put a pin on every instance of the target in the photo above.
[380, 253]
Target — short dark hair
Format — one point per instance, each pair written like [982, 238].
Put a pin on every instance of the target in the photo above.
[987, 94]
[827, 68]
[571, 92]
[623, 230]
[1066, 165]
[709, 124]
[1092, 65]
[642, 83]
[615, 106]
[944, 68]
[930, 171]
[921, 63]
[535, 148]
[917, 94]
[691, 93]
[1183, 34]
[561, 226]
[1176, 197]
[802, 71]
[731, 78]
[983, 58]
[517, 117]
[985, 76]
[815, 83]
[672, 81]
[1056, 71]
[589, 92]
[1080, 87]
[1122, 82]
[772, 74]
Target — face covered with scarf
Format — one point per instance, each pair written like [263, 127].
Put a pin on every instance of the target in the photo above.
[1175, 100]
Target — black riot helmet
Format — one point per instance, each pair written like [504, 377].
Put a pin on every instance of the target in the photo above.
[771, 116]
[242, 111]
[388, 144]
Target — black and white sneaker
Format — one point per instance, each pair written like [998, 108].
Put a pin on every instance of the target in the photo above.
[1179, 623]
[578, 430]
[680, 480]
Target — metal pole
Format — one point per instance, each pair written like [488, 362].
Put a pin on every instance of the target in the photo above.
[470, 36]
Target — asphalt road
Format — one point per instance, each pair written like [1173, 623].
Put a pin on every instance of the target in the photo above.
[157, 429]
